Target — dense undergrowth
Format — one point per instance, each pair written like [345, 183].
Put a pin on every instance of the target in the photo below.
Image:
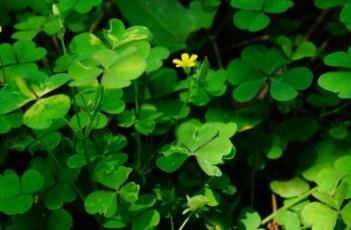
[165, 114]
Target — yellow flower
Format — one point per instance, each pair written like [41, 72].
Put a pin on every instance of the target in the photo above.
[186, 61]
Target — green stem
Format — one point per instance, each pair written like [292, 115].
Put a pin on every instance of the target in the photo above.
[98, 101]
[76, 111]
[289, 205]
[172, 223]
[185, 221]
[213, 41]
[136, 99]
[138, 156]
[2, 68]
[187, 99]
[97, 106]
[336, 110]
[83, 137]
[186, 102]
[58, 164]
[63, 46]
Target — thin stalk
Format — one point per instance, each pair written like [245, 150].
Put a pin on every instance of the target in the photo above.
[2, 68]
[97, 106]
[74, 185]
[187, 100]
[63, 45]
[76, 111]
[138, 155]
[172, 223]
[213, 41]
[98, 101]
[252, 181]
[335, 110]
[58, 164]
[289, 205]
[185, 221]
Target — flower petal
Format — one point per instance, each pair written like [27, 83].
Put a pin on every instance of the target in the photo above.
[193, 58]
[176, 61]
[185, 57]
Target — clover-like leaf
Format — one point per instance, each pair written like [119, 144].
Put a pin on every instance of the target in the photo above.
[147, 119]
[289, 188]
[59, 220]
[282, 91]
[15, 195]
[345, 15]
[211, 84]
[81, 6]
[248, 219]
[252, 15]
[29, 28]
[85, 44]
[120, 220]
[303, 49]
[55, 197]
[253, 69]
[208, 142]
[129, 192]
[284, 86]
[102, 202]
[346, 214]
[42, 114]
[111, 102]
[26, 51]
[264, 59]
[337, 81]
[288, 219]
[148, 220]
[171, 163]
[319, 216]
[154, 60]
[9, 184]
[276, 7]
[17, 204]
[144, 202]
[14, 95]
[327, 180]
[119, 68]
[9, 121]
[118, 35]
[252, 21]
[111, 176]
[31, 181]
[48, 84]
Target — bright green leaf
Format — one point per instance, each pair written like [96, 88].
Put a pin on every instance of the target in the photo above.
[319, 216]
[129, 192]
[290, 188]
[101, 202]
[146, 221]
[43, 113]
[251, 20]
[32, 181]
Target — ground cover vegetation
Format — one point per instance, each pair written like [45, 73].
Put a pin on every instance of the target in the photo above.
[175, 114]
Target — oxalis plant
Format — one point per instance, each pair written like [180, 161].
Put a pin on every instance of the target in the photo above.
[175, 114]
